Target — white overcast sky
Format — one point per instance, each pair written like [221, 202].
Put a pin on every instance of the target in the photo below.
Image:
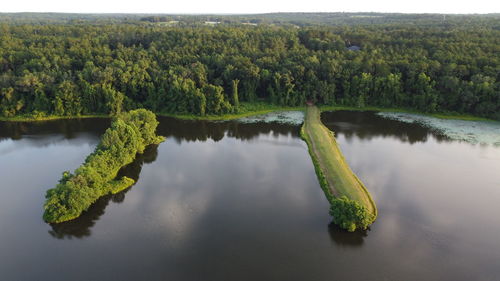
[250, 6]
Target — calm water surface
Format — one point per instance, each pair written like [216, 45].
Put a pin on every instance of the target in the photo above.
[229, 201]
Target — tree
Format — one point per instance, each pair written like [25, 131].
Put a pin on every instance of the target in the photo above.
[235, 99]
[67, 99]
[361, 88]
[114, 99]
[424, 97]
[104, 69]
[349, 214]
[216, 104]
[8, 103]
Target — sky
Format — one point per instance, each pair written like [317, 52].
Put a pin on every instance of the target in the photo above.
[250, 6]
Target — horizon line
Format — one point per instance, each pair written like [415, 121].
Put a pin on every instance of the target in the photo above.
[239, 14]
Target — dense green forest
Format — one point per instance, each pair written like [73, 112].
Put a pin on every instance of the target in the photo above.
[82, 65]
[128, 135]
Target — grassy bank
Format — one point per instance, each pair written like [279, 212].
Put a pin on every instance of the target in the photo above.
[334, 174]
[245, 110]
[253, 108]
[31, 118]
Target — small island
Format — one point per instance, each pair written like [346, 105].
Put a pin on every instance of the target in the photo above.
[351, 204]
[128, 135]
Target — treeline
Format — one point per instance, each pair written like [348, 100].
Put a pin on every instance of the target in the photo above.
[129, 134]
[298, 19]
[86, 69]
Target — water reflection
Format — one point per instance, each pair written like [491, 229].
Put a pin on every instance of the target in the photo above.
[80, 227]
[186, 130]
[342, 237]
[180, 130]
[45, 133]
[69, 128]
[366, 125]
[42, 134]
[226, 201]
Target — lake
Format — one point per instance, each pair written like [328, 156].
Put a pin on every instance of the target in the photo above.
[240, 201]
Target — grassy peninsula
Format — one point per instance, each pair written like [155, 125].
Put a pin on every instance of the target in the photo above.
[351, 204]
[128, 135]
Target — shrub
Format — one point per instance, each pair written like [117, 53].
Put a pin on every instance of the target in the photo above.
[349, 214]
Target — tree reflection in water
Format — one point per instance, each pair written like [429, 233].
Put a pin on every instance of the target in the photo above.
[361, 124]
[80, 227]
[342, 237]
[367, 125]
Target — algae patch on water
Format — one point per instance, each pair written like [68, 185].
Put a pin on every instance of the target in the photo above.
[282, 117]
[475, 132]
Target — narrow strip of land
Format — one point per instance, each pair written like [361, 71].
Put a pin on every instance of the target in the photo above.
[128, 135]
[328, 158]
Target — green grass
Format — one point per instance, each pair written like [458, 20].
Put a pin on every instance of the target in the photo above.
[246, 109]
[31, 118]
[334, 173]
[118, 185]
[253, 108]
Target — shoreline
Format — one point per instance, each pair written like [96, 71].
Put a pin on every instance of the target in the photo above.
[261, 108]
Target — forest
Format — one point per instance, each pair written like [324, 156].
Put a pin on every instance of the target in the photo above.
[78, 67]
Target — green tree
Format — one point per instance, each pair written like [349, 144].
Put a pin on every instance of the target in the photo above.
[114, 99]
[349, 214]
[67, 100]
[235, 98]
[216, 103]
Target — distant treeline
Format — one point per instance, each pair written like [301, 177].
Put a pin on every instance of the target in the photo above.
[75, 69]
[299, 19]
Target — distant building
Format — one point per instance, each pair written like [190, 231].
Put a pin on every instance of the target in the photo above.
[354, 48]
[212, 22]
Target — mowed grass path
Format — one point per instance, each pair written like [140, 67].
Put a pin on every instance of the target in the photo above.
[339, 177]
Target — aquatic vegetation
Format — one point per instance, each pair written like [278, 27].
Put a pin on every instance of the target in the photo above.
[475, 132]
[283, 117]
[128, 135]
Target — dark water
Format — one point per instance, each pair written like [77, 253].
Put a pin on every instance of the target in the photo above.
[229, 201]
